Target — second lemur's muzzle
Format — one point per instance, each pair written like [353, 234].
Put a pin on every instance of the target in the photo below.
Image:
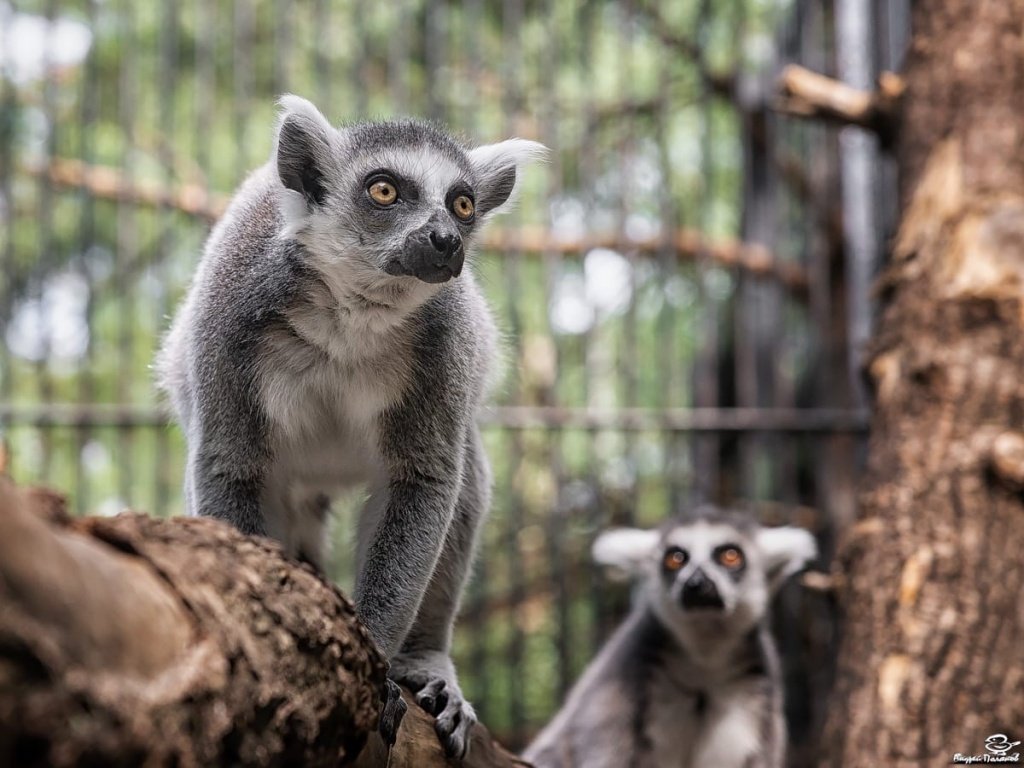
[700, 592]
[433, 253]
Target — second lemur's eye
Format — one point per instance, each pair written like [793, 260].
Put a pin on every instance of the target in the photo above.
[383, 192]
[463, 207]
[675, 559]
[731, 557]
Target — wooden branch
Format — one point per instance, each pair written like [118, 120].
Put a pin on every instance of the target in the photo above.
[548, 417]
[819, 581]
[171, 642]
[1007, 459]
[684, 244]
[804, 93]
[418, 747]
[131, 640]
[108, 183]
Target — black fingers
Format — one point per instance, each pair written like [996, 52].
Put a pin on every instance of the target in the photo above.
[453, 727]
[432, 697]
[393, 709]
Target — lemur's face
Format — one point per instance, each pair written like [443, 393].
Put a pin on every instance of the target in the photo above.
[708, 568]
[416, 209]
[712, 566]
[389, 200]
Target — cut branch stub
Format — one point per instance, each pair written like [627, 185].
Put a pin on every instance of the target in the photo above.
[1007, 458]
[803, 93]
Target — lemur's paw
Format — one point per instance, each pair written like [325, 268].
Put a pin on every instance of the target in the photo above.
[431, 676]
[392, 710]
[454, 723]
[455, 715]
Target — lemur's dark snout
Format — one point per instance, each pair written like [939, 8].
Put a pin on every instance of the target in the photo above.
[444, 242]
[433, 253]
[700, 592]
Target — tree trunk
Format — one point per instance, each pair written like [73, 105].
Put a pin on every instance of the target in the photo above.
[134, 641]
[932, 657]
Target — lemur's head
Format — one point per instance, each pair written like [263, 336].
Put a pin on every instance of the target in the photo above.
[389, 199]
[711, 567]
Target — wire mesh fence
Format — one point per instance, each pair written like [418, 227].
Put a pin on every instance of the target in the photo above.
[681, 301]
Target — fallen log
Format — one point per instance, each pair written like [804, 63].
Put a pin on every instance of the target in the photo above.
[131, 641]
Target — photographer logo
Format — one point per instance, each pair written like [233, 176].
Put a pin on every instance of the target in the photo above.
[999, 749]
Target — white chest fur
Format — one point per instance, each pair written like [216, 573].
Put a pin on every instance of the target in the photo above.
[725, 733]
[324, 379]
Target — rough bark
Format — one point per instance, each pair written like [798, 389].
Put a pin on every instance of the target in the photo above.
[418, 747]
[134, 641]
[932, 658]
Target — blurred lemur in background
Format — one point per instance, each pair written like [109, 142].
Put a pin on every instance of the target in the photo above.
[333, 337]
[691, 678]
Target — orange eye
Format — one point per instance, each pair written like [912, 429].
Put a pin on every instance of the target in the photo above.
[675, 559]
[383, 192]
[463, 207]
[731, 558]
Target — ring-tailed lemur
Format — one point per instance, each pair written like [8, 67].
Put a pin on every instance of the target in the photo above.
[332, 337]
[691, 678]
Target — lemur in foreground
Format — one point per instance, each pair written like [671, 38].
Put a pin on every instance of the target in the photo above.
[334, 336]
[691, 678]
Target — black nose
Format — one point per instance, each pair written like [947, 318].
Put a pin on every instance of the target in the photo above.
[444, 242]
[433, 253]
[700, 592]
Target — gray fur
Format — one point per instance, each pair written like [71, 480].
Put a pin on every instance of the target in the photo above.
[681, 686]
[304, 362]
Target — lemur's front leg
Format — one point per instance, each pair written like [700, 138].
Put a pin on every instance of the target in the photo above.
[400, 544]
[228, 445]
[404, 526]
[424, 664]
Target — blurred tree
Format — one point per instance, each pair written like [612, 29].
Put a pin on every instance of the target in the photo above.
[932, 579]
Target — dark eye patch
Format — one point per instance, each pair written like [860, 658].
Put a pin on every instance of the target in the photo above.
[732, 558]
[674, 559]
[408, 190]
[458, 189]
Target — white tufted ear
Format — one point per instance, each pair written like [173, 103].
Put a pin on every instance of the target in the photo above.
[498, 167]
[786, 551]
[303, 154]
[626, 548]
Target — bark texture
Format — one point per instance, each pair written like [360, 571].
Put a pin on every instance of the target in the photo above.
[418, 747]
[932, 658]
[132, 641]
[136, 641]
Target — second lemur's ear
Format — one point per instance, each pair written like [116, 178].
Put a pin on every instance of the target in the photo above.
[786, 550]
[303, 150]
[498, 168]
[628, 549]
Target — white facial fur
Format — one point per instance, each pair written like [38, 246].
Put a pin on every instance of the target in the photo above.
[771, 556]
[350, 244]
